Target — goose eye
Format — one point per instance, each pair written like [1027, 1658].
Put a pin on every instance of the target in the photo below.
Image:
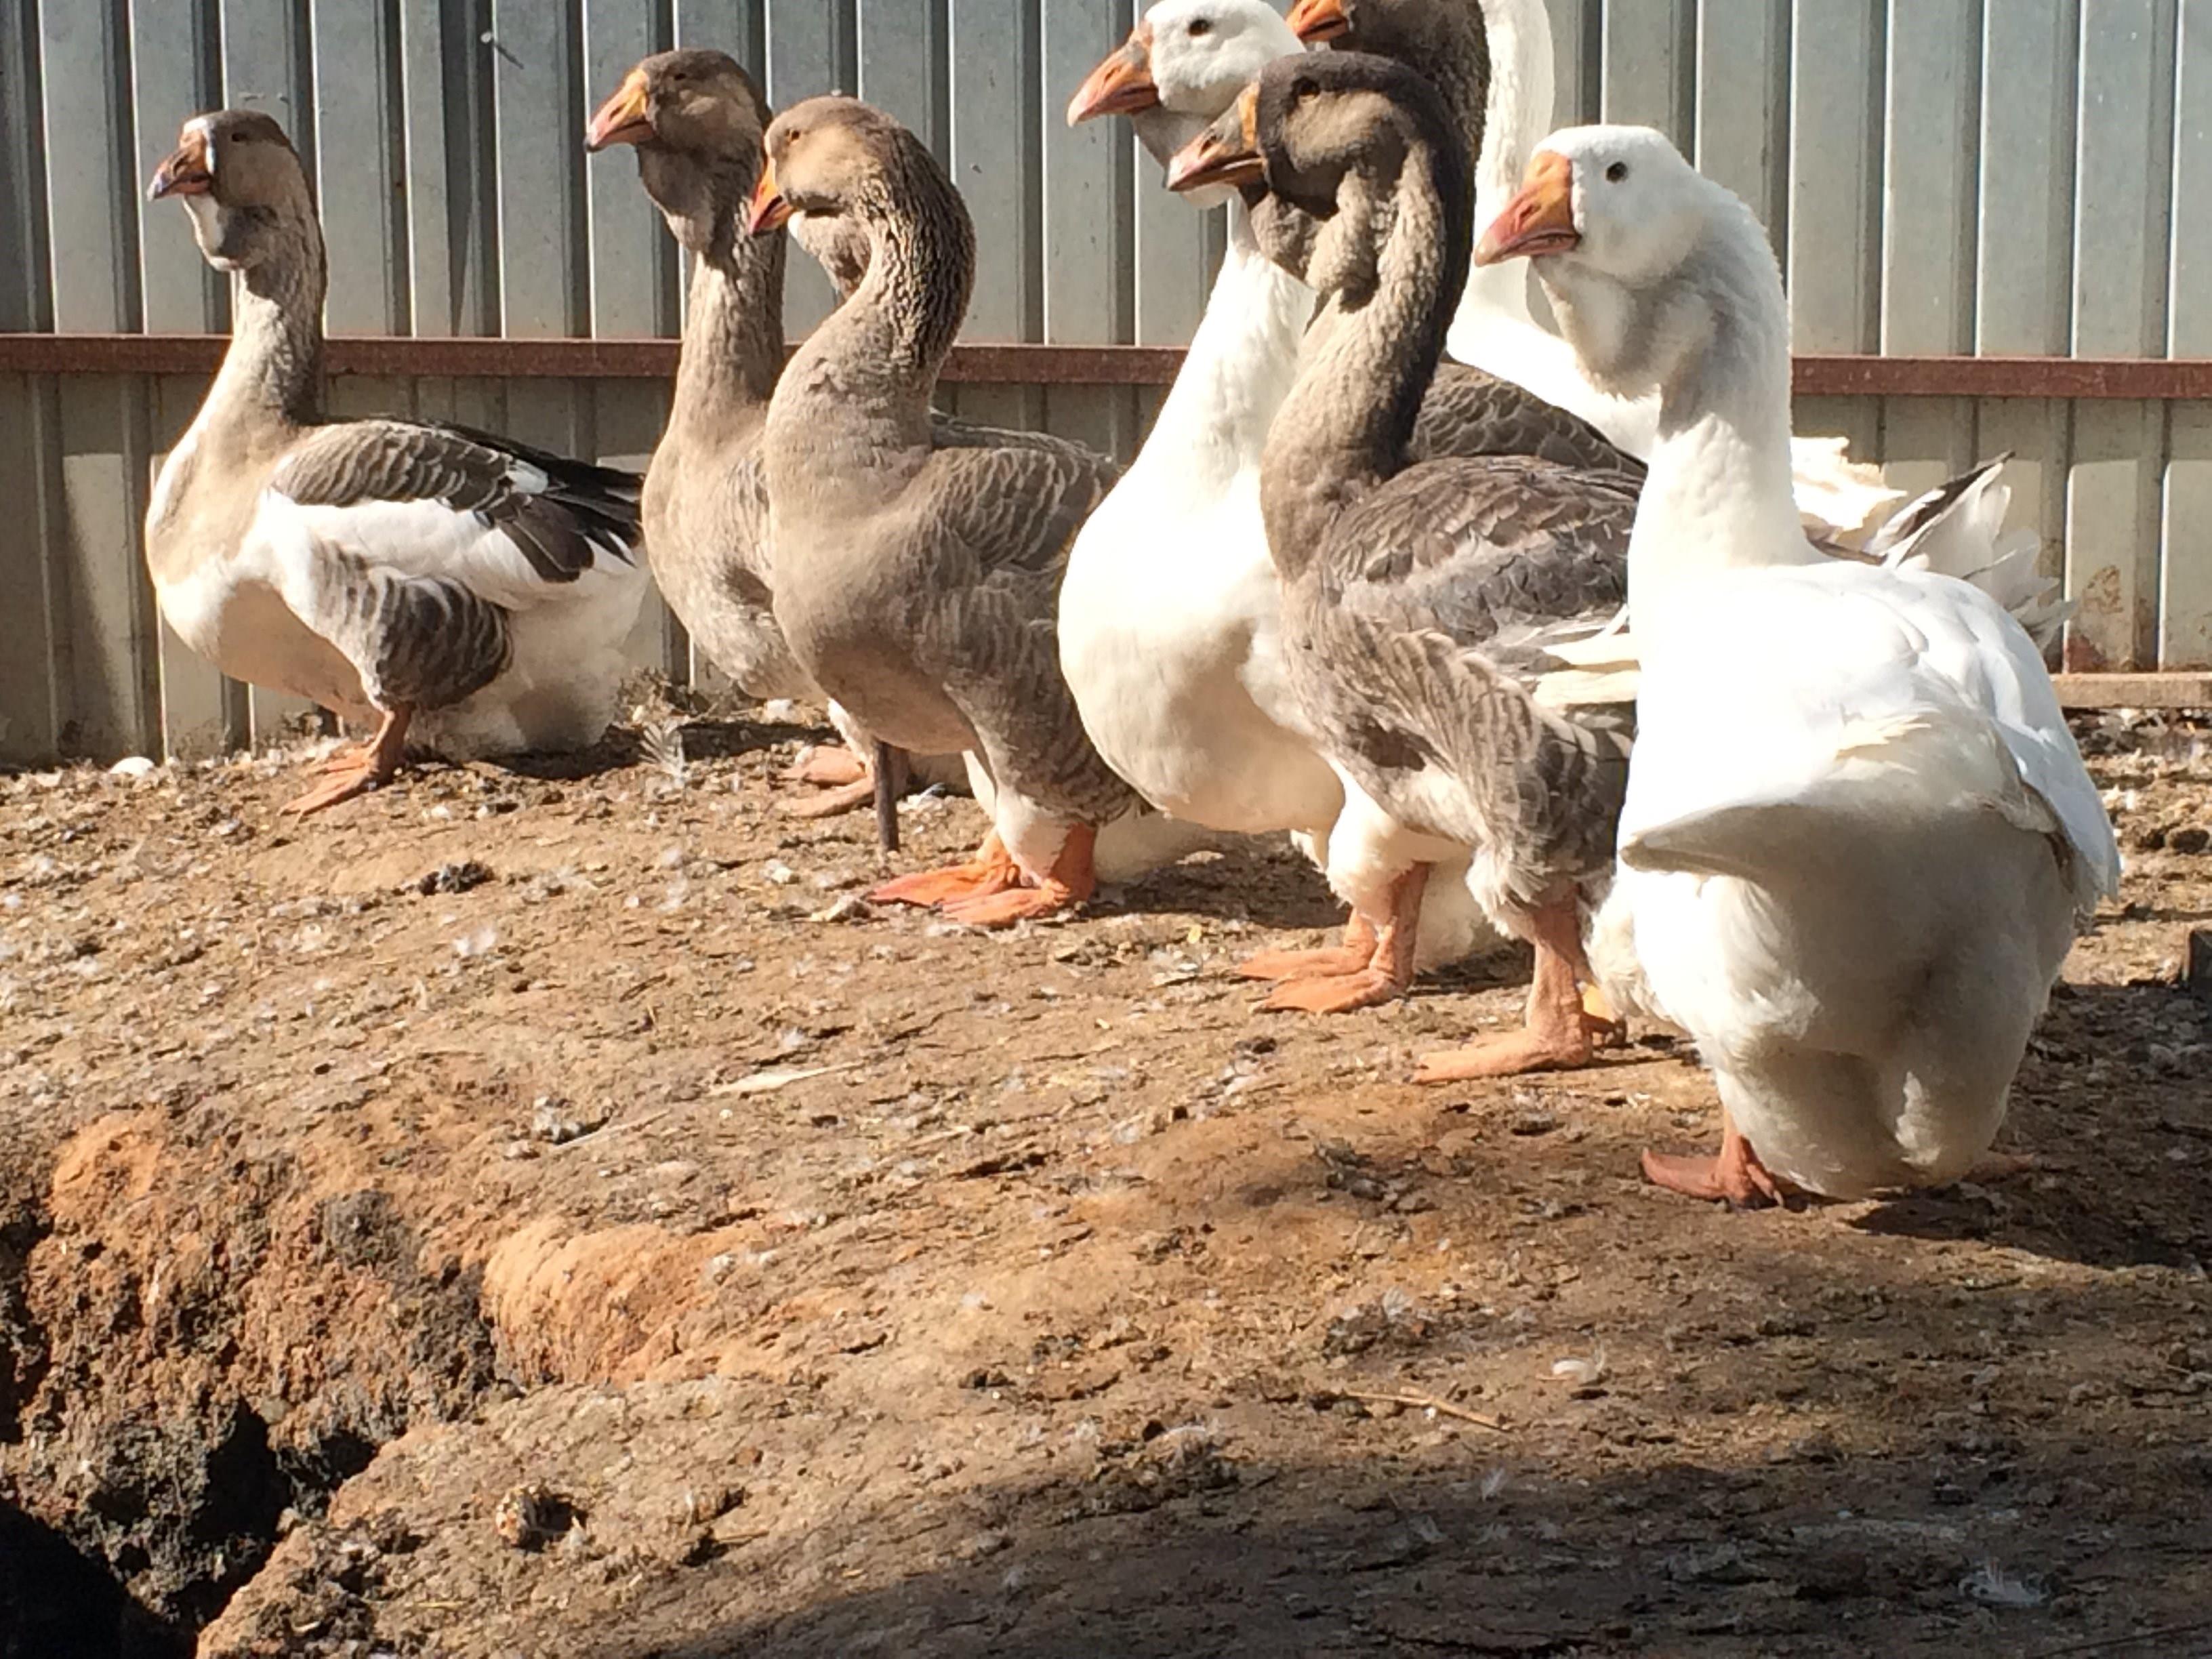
[1199, 26]
[1616, 172]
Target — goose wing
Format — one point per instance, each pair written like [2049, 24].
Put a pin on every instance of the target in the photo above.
[410, 545]
[1001, 511]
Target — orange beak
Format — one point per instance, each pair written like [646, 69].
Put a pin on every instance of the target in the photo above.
[1122, 85]
[623, 118]
[1315, 21]
[1226, 153]
[1540, 220]
[768, 210]
[187, 173]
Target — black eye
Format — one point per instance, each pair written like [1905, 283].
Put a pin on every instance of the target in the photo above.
[1200, 25]
[1616, 172]
[1302, 89]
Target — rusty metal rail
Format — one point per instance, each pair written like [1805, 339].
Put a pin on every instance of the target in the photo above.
[2151, 379]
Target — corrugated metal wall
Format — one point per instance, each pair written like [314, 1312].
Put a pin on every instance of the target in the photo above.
[1946, 175]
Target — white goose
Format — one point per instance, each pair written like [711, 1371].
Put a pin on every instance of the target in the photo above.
[1496, 328]
[1858, 839]
[1170, 617]
[451, 587]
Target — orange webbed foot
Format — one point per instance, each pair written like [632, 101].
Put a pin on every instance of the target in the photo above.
[360, 779]
[834, 803]
[1337, 993]
[831, 765]
[1513, 1054]
[1734, 1177]
[1005, 909]
[993, 869]
[1326, 962]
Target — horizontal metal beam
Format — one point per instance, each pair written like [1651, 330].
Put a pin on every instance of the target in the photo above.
[2179, 689]
[2151, 379]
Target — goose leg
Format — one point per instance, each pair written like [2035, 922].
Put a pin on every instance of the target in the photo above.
[1734, 1177]
[1356, 951]
[993, 869]
[1386, 974]
[1559, 1031]
[360, 770]
[1071, 880]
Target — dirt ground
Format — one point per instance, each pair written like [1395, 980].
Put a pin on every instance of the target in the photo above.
[543, 1214]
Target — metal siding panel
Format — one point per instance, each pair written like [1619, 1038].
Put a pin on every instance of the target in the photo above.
[30, 670]
[2184, 610]
[536, 106]
[1645, 77]
[2112, 511]
[34, 669]
[1742, 104]
[2024, 264]
[1086, 225]
[632, 254]
[802, 64]
[902, 51]
[356, 46]
[1834, 237]
[2124, 163]
[106, 601]
[993, 67]
[732, 26]
[1578, 31]
[1928, 177]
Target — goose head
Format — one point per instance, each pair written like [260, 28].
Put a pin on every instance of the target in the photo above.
[1641, 254]
[1446, 40]
[1182, 66]
[1328, 138]
[696, 120]
[833, 159]
[237, 173]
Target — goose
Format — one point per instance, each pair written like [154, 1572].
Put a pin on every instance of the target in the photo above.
[1170, 615]
[696, 120]
[463, 591]
[1408, 586]
[917, 575]
[1499, 54]
[1858, 839]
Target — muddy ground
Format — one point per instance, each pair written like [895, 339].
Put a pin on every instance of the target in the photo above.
[540, 1214]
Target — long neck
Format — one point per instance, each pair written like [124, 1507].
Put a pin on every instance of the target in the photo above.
[271, 377]
[1347, 424]
[733, 333]
[1720, 493]
[884, 347]
[1520, 117]
[1241, 364]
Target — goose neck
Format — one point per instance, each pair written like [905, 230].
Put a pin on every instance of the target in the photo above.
[733, 350]
[1243, 361]
[1720, 492]
[1517, 119]
[1368, 364]
[272, 373]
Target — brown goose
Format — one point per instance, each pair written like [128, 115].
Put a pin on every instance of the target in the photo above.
[1412, 589]
[917, 578]
[446, 585]
[697, 122]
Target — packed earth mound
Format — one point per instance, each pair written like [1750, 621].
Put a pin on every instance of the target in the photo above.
[547, 1213]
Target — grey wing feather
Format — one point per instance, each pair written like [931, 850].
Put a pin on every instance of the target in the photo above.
[561, 515]
[421, 641]
[1007, 513]
[1422, 631]
[1468, 412]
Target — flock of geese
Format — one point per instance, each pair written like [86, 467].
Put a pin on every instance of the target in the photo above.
[1364, 583]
